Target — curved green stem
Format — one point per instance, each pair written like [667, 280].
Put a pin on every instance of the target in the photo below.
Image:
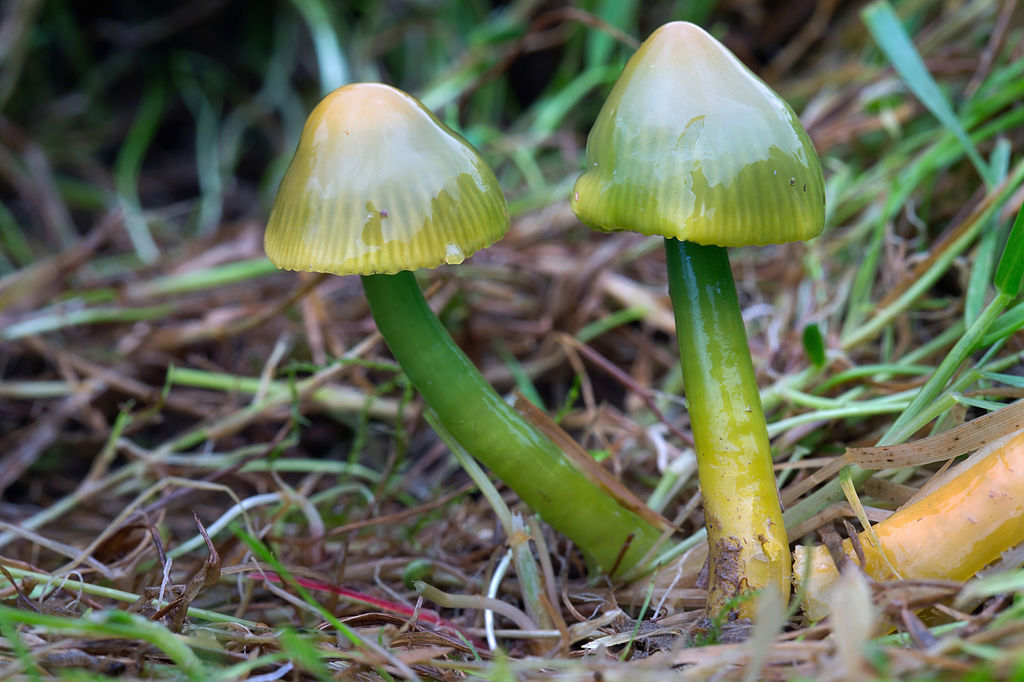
[612, 536]
[748, 547]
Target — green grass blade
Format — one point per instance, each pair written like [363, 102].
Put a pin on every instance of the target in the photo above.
[814, 345]
[304, 650]
[119, 624]
[553, 110]
[12, 239]
[9, 629]
[263, 553]
[199, 85]
[887, 30]
[621, 14]
[205, 279]
[524, 383]
[982, 266]
[1008, 323]
[605, 324]
[330, 59]
[1011, 264]
[129, 164]
[935, 385]
[985, 256]
[884, 316]
[53, 321]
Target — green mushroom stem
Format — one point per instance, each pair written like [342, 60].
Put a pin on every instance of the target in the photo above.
[612, 536]
[742, 511]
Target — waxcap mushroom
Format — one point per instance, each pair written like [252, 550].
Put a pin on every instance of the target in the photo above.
[379, 185]
[690, 144]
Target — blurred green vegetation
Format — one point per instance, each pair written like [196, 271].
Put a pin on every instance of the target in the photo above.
[183, 115]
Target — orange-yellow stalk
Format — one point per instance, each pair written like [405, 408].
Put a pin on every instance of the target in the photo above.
[950, 534]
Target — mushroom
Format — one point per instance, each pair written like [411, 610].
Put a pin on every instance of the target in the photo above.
[691, 146]
[379, 187]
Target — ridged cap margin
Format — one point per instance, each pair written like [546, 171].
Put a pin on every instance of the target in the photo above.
[690, 144]
[378, 185]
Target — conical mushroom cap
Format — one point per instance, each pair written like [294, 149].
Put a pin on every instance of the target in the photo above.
[379, 185]
[690, 144]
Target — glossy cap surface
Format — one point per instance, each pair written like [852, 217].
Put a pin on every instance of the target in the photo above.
[379, 185]
[690, 144]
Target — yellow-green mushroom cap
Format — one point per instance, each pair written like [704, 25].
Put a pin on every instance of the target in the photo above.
[690, 144]
[379, 185]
